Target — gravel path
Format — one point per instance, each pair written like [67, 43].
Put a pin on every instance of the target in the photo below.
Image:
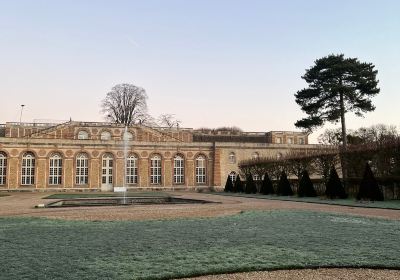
[22, 204]
[309, 274]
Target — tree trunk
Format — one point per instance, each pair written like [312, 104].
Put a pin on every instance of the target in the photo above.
[343, 121]
[344, 140]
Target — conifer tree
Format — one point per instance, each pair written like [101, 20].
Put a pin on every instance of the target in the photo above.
[238, 186]
[284, 185]
[250, 185]
[334, 187]
[266, 187]
[306, 186]
[228, 185]
[369, 188]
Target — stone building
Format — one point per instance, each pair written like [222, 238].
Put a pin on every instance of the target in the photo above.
[91, 155]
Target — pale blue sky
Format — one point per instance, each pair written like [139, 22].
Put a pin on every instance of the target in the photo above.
[212, 63]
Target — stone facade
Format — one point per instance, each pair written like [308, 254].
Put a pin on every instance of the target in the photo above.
[207, 158]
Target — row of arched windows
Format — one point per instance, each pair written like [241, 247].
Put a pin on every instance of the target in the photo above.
[28, 166]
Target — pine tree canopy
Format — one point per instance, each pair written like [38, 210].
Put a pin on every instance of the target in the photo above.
[331, 80]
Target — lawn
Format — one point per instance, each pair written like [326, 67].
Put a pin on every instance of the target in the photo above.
[37, 248]
[94, 195]
[387, 204]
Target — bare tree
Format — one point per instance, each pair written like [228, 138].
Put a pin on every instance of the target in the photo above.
[168, 120]
[125, 104]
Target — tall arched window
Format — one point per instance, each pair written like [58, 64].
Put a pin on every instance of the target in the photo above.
[128, 135]
[28, 169]
[83, 135]
[232, 176]
[105, 135]
[201, 169]
[232, 157]
[3, 168]
[179, 170]
[55, 169]
[255, 155]
[131, 170]
[107, 169]
[155, 170]
[82, 169]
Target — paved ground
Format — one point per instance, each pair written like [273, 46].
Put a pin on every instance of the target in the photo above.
[22, 204]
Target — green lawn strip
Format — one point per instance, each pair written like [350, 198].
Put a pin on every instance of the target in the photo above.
[388, 204]
[3, 194]
[95, 195]
[37, 248]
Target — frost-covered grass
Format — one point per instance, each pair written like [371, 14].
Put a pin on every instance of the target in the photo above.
[37, 248]
[94, 195]
[387, 204]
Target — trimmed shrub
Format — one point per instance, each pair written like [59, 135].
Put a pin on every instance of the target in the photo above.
[306, 187]
[284, 185]
[334, 187]
[238, 186]
[228, 185]
[250, 185]
[369, 189]
[266, 187]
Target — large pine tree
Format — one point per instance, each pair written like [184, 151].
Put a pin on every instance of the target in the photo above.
[336, 85]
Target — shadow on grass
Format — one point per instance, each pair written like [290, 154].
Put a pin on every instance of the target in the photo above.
[388, 204]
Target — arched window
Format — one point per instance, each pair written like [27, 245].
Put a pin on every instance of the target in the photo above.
[232, 157]
[155, 170]
[131, 170]
[232, 176]
[179, 170]
[128, 135]
[55, 169]
[107, 169]
[83, 135]
[201, 169]
[255, 155]
[82, 169]
[3, 168]
[28, 169]
[105, 135]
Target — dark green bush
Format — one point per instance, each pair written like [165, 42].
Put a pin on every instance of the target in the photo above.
[238, 186]
[266, 186]
[228, 185]
[284, 185]
[306, 187]
[369, 189]
[250, 185]
[334, 187]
